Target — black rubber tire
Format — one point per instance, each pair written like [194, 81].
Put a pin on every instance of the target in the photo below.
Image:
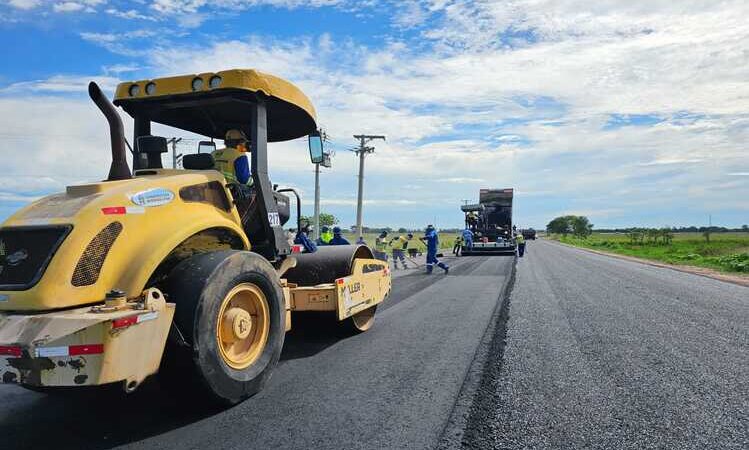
[198, 286]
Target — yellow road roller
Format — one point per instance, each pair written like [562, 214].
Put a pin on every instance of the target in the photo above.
[181, 272]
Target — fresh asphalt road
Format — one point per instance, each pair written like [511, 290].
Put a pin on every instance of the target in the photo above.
[391, 387]
[590, 352]
[606, 353]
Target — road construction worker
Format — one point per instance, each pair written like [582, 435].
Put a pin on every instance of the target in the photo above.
[457, 245]
[467, 239]
[433, 244]
[338, 239]
[302, 237]
[520, 240]
[232, 161]
[399, 246]
[325, 236]
[472, 220]
[381, 246]
[360, 241]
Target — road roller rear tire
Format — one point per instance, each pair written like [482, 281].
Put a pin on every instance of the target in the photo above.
[230, 312]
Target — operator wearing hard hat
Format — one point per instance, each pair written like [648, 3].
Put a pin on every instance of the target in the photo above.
[232, 161]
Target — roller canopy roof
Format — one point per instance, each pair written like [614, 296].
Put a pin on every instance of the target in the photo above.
[209, 104]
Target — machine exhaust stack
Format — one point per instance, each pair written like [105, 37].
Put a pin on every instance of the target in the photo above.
[119, 170]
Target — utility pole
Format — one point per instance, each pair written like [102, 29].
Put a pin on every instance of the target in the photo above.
[362, 151]
[175, 156]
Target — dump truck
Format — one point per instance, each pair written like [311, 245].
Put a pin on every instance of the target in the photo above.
[529, 234]
[490, 220]
[168, 271]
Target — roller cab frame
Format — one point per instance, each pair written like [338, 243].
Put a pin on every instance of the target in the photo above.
[155, 271]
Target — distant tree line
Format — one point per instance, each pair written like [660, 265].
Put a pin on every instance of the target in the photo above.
[578, 226]
[692, 229]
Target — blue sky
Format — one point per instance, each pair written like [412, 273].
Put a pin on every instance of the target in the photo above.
[634, 114]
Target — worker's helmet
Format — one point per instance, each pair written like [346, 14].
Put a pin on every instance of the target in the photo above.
[430, 227]
[336, 230]
[410, 235]
[307, 228]
[324, 229]
[234, 137]
[384, 234]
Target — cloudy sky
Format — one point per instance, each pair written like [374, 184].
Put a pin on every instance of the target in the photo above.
[632, 113]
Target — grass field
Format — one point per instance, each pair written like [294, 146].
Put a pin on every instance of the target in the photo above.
[726, 252]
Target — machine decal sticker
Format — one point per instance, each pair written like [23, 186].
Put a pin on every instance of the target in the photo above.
[4, 298]
[121, 210]
[153, 197]
[274, 219]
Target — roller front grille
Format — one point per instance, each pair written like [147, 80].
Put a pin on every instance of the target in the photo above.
[89, 266]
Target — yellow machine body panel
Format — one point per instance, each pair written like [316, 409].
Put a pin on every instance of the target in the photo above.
[119, 233]
[86, 346]
[368, 285]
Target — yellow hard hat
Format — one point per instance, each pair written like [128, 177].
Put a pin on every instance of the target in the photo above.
[235, 135]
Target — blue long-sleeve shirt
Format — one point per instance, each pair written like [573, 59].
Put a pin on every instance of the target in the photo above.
[308, 245]
[339, 240]
[467, 235]
[433, 241]
[242, 169]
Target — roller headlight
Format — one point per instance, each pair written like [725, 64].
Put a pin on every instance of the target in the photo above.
[151, 88]
[134, 90]
[214, 82]
[197, 84]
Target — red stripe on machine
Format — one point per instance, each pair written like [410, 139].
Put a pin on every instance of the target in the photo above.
[114, 210]
[10, 350]
[93, 349]
[73, 350]
[124, 322]
[132, 320]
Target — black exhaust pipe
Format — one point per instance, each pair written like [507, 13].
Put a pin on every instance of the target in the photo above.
[119, 170]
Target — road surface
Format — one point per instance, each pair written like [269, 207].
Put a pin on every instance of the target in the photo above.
[587, 351]
[605, 353]
[393, 386]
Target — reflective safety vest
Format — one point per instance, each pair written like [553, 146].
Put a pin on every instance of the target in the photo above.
[326, 237]
[224, 162]
[520, 239]
[381, 244]
[399, 243]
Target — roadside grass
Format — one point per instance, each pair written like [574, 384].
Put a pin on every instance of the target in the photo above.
[726, 252]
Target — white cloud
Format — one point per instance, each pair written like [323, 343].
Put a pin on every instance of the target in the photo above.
[24, 4]
[65, 7]
[130, 14]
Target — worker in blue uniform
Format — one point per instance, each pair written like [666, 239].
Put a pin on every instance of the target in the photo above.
[338, 239]
[303, 239]
[432, 240]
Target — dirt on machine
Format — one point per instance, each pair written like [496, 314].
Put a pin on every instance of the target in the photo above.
[490, 221]
[181, 273]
